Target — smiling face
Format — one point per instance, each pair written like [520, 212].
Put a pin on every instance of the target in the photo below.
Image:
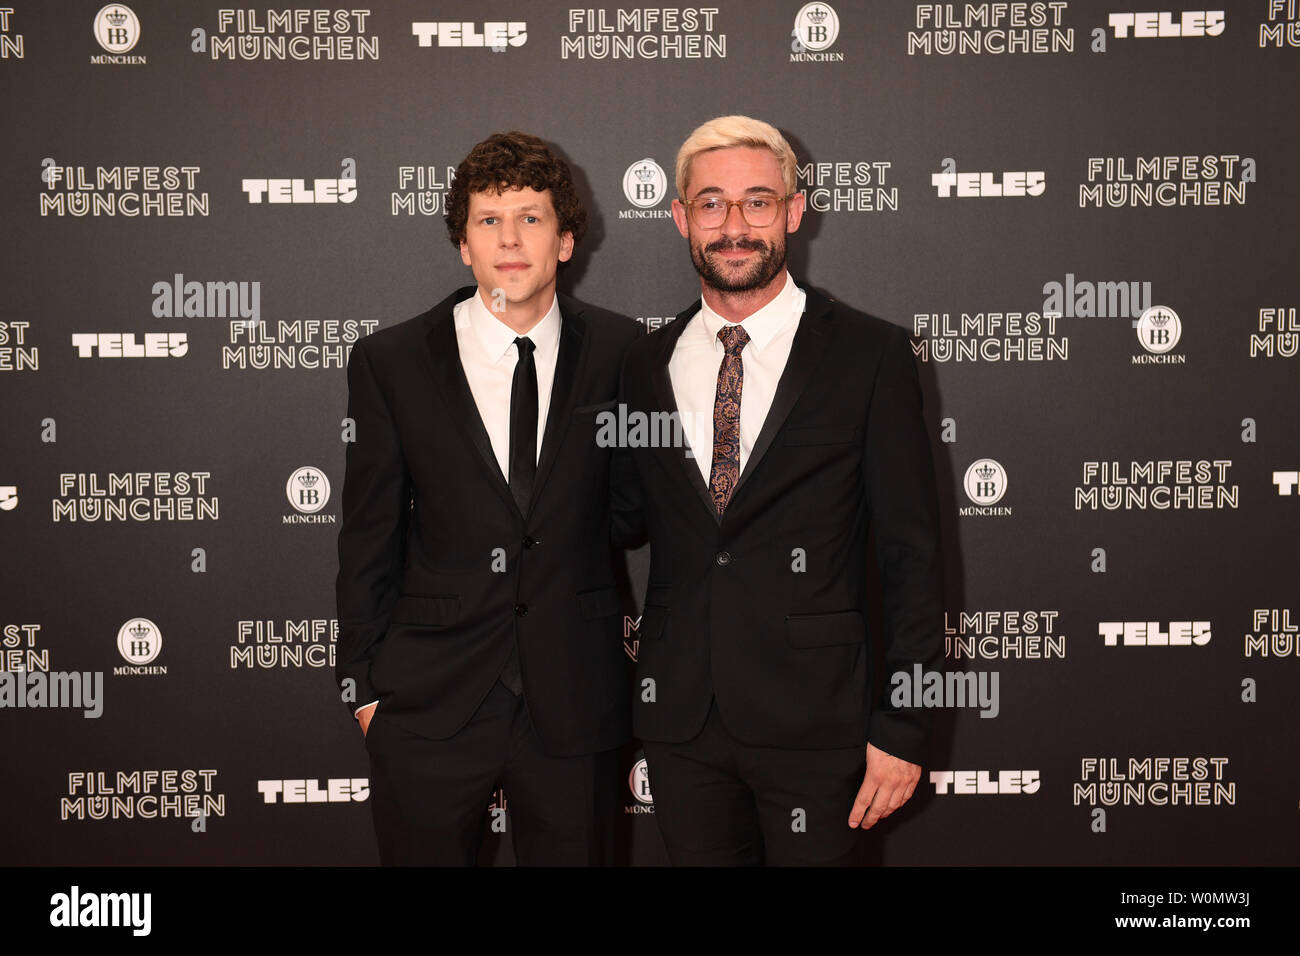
[513, 243]
[735, 257]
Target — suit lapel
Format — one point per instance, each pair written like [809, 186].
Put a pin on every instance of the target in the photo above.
[686, 468]
[806, 351]
[449, 379]
[569, 366]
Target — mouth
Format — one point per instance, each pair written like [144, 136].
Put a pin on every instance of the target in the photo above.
[735, 250]
[511, 266]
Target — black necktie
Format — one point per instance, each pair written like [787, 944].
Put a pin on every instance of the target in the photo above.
[523, 425]
[523, 462]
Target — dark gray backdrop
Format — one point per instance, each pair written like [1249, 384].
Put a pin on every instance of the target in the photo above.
[864, 99]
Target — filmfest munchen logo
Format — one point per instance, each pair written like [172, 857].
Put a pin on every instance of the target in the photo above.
[117, 28]
[139, 641]
[308, 490]
[631, 636]
[11, 44]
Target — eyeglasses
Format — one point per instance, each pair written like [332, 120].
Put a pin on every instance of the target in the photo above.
[712, 211]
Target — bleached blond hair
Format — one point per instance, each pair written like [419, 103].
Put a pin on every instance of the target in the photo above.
[728, 131]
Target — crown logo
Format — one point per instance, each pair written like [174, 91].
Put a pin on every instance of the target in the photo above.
[308, 480]
[140, 631]
[644, 173]
[1160, 318]
[986, 471]
[817, 15]
[116, 18]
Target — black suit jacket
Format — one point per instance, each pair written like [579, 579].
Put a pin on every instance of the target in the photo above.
[427, 619]
[766, 609]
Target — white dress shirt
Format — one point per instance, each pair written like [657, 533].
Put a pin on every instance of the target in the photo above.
[698, 355]
[488, 355]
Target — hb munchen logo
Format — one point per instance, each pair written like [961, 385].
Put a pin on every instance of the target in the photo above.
[139, 642]
[985, 483]
[117, 28]
[8, 497]
[638, 781]
[645, 185]
[816, 27]
[308, 491]
[1158, 331]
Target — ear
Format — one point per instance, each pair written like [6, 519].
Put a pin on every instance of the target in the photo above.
[464, 253]
[566, 246]
[679, 217]
[794, 210]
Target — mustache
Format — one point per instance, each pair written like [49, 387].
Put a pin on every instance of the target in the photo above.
[724, 245]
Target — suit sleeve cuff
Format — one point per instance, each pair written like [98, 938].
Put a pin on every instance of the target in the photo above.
[903, 734]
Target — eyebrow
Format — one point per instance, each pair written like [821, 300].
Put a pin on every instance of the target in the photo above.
[530, 208]
[752, 190]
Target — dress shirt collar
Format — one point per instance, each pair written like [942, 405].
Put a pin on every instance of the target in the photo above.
[498, 339]
[762, 326]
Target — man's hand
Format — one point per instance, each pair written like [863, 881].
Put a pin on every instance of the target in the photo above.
[886, 786]
[365, 713]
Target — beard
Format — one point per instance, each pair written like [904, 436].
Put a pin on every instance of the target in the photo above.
[766, 267]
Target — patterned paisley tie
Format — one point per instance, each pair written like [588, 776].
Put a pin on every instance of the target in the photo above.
[726, 417]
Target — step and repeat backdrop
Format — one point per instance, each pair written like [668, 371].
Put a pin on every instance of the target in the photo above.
[1083, 212]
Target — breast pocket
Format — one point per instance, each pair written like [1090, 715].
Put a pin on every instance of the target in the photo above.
[595, 423]
[588, 412]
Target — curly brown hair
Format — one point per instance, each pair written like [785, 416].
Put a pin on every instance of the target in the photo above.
[513, 161]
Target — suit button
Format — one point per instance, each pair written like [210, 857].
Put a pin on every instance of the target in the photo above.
[521, 610]
[722, 558]
[531, 542]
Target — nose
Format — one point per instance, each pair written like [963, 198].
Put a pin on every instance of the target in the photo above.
[509, 232]
[734, 224]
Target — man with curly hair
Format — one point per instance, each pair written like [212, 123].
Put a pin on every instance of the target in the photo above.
[479, 642]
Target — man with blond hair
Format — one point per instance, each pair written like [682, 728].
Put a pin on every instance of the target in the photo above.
[803, 419]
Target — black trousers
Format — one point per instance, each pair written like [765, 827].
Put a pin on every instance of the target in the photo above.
[430, 797]
[720, 802]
